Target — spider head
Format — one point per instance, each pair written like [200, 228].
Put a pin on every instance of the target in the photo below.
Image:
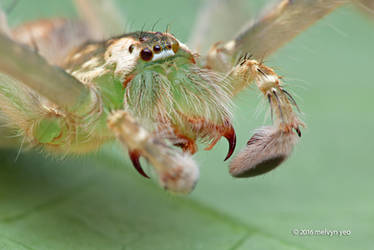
[169, 92]
[135, 51]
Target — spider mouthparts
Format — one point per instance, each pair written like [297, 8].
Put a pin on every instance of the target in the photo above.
[231, 138]
[134, 156]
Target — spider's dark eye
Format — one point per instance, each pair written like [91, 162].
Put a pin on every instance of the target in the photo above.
[131, 48]
[168, 46]
[157, 49]
[146, 54]
[142, 39]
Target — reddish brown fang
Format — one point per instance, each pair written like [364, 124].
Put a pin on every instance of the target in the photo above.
[134, 156]
[231, 138]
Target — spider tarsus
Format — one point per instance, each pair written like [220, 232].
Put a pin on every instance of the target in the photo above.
[134, 156]
[266, 150]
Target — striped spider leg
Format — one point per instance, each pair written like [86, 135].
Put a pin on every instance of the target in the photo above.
[279, 23]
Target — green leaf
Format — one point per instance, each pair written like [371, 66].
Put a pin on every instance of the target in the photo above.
[75, 204]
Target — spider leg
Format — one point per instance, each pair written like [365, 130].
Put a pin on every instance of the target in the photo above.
[281, 23]
[366, 6]
[176, 171]
[27, 67]
[4, 28]
[216, 13]
[43, 123]
[277, 25]
[56, 102]
[36, 95]
[55, 89]
[269, 146]
[53, 38]
[102, 17]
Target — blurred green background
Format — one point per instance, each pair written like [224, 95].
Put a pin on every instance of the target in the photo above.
[99, 202]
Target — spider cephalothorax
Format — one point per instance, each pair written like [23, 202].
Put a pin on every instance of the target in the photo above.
[172, 95]
[149, 91]
[162, 85]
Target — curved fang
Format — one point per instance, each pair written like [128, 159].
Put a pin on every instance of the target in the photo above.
[134, 156]
[231, 138]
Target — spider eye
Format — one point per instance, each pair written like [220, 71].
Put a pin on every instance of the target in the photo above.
[157, 49]
[131, 48]
[146, 54]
